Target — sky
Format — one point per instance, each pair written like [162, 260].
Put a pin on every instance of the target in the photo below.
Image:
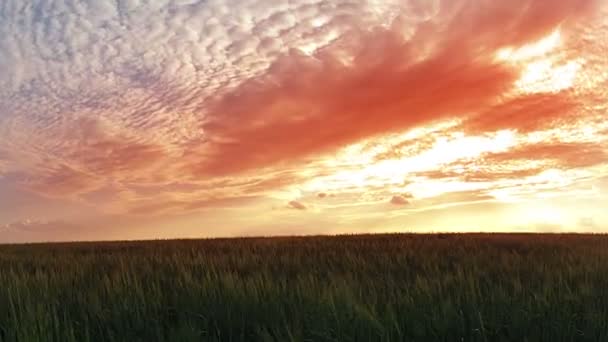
[154, 119]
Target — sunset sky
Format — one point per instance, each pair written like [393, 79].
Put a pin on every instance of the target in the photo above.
[136, 119]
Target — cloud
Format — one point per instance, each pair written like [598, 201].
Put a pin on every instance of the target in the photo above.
[3, 167]
[37, 226]
[166, 68]
[160, 206]
[312, 104]
[118, 102]
[297, 205]
[60, 181]
[279, 118]
[399, 200]
[56, 230]
[481, 175]
[525, 113]
[111, 157]
[566, 155]
[456, 198]
[173, 107]
[272, 181]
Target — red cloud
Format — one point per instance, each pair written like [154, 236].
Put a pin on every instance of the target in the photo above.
[104, 154]
[306, 105]
[565, 155]
[480, 174]
[527, 113]
[92, 159]
[297, 205]
[499, 166]
[399, 200]
[92, 165]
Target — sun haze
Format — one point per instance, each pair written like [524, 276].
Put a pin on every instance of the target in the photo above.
[183, 118]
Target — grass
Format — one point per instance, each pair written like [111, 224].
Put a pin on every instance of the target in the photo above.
[472, 287]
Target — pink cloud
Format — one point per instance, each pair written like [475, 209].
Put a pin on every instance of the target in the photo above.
[304, 105]
[297, 205]
[61, 181]
[399, 200]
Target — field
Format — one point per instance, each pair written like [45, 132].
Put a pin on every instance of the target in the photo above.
[471, 287]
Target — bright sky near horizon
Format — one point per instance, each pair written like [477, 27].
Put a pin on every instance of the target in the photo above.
[135, 119]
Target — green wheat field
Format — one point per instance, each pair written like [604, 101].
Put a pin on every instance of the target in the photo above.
[398, 287]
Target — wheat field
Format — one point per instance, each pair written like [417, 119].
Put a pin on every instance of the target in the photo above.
[398, 287]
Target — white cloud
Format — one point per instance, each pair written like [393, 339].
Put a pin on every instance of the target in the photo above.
[147, 65]
[142, 70]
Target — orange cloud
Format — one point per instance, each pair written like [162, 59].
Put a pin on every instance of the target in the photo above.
[61, 181]
[348, 91]
[566, 155]
[471, 173]
[158, 206]
[113, 156]
[297, 205]
[88, 158]
[525, 113]
[345, 107]
[399, 200]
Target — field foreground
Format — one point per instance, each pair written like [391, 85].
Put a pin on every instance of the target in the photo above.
[471, 287]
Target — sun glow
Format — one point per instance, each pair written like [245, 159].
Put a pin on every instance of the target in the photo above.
[363, 169]
[544, 215]
[544, 77]
[542, 69]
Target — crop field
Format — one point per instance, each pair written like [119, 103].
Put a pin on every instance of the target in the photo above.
[402, 287]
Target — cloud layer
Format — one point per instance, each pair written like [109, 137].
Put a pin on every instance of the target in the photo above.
[173, 107]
